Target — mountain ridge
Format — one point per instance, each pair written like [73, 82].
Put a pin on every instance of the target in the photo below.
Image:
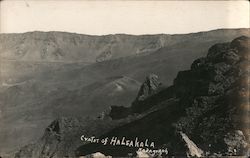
[219, 29]
[50, 46]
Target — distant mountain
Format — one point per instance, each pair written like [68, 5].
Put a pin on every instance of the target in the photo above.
[70, 47]
[46, 75]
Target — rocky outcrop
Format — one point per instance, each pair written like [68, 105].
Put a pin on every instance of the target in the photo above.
[211, 93]
[149, 87]
[214, 74]
[59, 139]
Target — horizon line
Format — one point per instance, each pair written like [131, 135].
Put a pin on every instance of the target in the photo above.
[113, 34]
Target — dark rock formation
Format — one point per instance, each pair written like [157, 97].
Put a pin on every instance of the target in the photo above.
[59, 139]
[149, 87]
[211, 94]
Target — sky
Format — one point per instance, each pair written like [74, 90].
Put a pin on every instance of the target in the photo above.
[130, 17]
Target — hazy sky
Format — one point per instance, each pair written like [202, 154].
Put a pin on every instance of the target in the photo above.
[131, 17]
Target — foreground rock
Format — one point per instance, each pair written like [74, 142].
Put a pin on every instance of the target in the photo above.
[214, 95]
[192, 149]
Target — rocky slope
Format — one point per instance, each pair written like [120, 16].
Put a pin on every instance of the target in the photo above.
[204, 113]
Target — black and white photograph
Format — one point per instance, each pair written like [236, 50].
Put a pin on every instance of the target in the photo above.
[124, 78]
